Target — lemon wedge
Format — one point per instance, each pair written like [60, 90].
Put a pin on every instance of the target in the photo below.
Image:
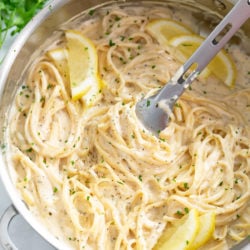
[181, 234]
[189, 233]
[85, 82]
[60, 58]
[207, 226]
[222, 66]
[165, 29]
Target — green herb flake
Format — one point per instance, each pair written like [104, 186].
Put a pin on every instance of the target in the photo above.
[91, 12]
[111, 43]
[117, 18]
[55, 190]
[185, 184]
[71, 191]
[140, 177]
[148, 103]
[186, 44]
[3, 146]
[178, 212]
[49, 86]
[238, 197]
[29, 150]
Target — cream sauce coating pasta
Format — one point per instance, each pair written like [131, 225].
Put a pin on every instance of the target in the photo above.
[97, 178]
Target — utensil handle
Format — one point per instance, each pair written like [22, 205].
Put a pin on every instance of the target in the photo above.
[5, 220]
[215, 41]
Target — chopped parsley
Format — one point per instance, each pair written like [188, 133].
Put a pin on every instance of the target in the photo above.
[111, 43]
[185, 184]
[91, 12]
[186, 44]
[14, 15]
[29, 150]
[178, 212]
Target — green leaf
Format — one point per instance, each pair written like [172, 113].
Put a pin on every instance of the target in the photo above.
[15, 14]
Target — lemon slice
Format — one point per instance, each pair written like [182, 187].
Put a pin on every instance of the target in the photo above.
[83, 67]
[207, 227]
[189, 233]
[222, 66]
[165, 29]
[182, 234]
[60, 57]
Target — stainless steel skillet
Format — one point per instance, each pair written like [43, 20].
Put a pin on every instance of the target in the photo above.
[41, 27]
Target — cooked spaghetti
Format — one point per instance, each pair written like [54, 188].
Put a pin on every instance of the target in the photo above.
[97, 178]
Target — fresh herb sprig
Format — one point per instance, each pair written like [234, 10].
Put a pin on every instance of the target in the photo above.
[15, 14]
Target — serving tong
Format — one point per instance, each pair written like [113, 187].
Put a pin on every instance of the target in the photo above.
[154, 112]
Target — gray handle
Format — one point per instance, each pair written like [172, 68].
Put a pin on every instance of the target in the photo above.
[214, 42]
[204, 54]
[5, 220]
